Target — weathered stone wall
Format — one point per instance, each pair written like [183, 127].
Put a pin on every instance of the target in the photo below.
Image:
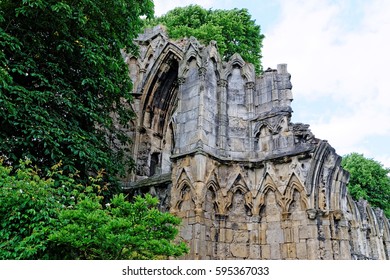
[216, 144]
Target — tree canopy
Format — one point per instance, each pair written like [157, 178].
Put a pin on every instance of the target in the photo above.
[369, 180]
[65, 93]
[61, 78]
[234, 30]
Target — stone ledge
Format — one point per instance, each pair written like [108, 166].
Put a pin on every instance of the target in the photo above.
[153, 181]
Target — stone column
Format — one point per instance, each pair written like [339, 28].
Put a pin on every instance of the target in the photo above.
[249, 91]
[202, 75]
[200, 250]
[221, 248]
[179, 130]
[222, 116]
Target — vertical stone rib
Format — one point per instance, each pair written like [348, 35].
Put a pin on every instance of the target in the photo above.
[222, 115]
[249, 91]
[202, 86]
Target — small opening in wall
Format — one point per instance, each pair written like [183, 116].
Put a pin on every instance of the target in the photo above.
[154, 161]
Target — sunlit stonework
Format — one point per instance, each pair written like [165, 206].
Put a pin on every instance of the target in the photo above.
[215, 143]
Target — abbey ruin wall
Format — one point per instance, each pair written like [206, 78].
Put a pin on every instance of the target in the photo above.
[216, 143]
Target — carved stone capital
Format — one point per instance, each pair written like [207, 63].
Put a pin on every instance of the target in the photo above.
[181, 80]
[202, 72]
[338, 215]
[311, 213]
[222, 83]
[221, 217]
[249, 85]
[285, 215]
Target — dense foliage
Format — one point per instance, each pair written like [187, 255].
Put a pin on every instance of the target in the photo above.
[234, 30]
[41, 221]
[61, 77]
[368, 180]
[28, 211]
[121, 230]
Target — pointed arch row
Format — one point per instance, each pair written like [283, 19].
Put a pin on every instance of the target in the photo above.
[273, 129]
[209, 54]
[285, 198]
[368, 226]
[254, 198]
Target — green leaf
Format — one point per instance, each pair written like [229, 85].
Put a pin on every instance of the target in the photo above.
[369, 180]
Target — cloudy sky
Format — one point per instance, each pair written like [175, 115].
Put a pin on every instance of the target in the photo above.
[338, 53]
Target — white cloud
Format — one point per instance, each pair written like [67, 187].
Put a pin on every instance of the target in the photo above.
[339, 58]
[385, 160]
[312, 40]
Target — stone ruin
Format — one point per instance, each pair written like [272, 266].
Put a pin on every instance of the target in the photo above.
[216, 144]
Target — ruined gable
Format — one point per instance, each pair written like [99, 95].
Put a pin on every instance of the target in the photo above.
[216, 143]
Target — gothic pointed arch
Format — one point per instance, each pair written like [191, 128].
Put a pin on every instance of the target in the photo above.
[239, 186]
[211, 55]
[262, 136]
[339, 188]
[156, 106]
[212, 194]
[261, 125]
[353, 217]
[281, 124]
[247, 70]
[183, 193]
[268, 185]
[191, 58]
[321, 182]
[353, 212]
[212, 180]
[372, 221]
[185, 201]
[148, 60]
[160, 89]
[237, 180]
[184, 175]
[295, 184]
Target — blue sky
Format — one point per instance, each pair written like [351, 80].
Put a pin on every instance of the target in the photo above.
[338, 54]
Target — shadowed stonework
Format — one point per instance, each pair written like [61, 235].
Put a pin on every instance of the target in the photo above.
[215, 143]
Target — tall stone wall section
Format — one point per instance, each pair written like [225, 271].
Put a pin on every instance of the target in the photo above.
[217, 144]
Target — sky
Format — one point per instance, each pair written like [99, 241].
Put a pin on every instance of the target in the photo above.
[338, 55]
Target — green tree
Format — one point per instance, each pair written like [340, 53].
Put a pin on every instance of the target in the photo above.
[369, 180]
[41, 221]
[234, 30]
[61, 78]
[29, 210]
[120, 230]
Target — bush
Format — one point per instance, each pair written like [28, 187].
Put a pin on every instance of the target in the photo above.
[42, 221]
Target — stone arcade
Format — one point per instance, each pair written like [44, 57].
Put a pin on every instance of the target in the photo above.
[216, 144]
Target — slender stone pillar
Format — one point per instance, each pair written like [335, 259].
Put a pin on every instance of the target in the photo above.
[223, 118]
